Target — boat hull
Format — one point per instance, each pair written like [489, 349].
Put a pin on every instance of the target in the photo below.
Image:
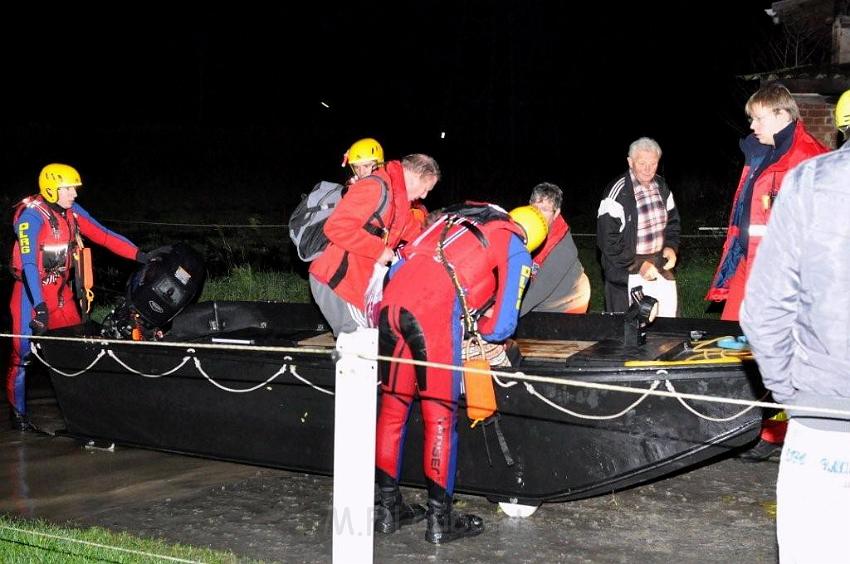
[551, 442]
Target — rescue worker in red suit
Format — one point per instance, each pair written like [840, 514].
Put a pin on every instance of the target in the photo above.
[361, 232]
[779, 142]
[421, 318]
[47, 228]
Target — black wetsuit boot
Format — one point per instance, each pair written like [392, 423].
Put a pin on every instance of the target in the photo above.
[444, 525]
[391, 512]
[20, 422]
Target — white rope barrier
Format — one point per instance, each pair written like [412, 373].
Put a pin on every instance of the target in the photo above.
[34, 348]
[504, 384]
[170, 344]
[515, 376]
[707, 232]
[612, 387]
[669, 385]
[68, 374]
[238, 390]
[114, 357]
[201, 225]
[306, 381]
[530, 389]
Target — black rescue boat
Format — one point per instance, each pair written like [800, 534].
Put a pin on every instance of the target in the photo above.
[552, 442]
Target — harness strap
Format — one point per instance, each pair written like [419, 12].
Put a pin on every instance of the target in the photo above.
[470, 316]
[500, 437]
[83, 276]
[470, 326]
[503, 444]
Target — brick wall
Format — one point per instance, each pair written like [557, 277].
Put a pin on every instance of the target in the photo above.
[818, 115]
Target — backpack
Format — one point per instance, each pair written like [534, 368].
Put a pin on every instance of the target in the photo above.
[307, 222]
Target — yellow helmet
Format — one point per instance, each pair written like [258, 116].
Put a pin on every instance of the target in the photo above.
[842, 111]
[534, 223]
[364, 151]
[55, 176]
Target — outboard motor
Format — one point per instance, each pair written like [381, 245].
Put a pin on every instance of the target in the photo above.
[172, 279]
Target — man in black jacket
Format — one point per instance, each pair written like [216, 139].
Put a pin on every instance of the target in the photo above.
[637, 232]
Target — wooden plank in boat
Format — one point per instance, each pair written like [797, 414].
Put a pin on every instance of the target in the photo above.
[528, 347]
[320, 340]
[537, 348]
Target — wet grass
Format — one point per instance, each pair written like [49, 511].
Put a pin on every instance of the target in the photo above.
[244, 283]
[24, 541]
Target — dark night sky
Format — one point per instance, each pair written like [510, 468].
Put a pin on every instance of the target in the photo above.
[524, 91]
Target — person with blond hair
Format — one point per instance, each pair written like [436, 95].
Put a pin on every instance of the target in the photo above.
[796, 315]
[778, 143]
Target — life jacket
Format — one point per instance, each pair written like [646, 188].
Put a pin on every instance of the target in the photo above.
[55, 243]
[462, 231]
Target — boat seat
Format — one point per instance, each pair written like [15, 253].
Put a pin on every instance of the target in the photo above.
[539, 348]
[321, 340]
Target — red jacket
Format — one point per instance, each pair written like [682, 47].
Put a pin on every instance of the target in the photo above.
[764, 191]
[347, 262]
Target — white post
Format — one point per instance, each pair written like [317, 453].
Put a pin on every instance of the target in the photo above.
[355, 411]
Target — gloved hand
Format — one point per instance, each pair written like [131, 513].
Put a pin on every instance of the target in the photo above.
[154, 254]
[39, 322]
[142, 257]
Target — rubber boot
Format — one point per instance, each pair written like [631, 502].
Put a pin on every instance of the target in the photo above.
[444, 525]
[20, 422]
[762, 451]
[391, 512]
[773, 430]
[770, 439]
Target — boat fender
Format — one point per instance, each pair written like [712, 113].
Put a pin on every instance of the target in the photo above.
[480, 395]
[478, 383]
[517, 510]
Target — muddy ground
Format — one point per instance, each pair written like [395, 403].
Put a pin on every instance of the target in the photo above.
[722, 512]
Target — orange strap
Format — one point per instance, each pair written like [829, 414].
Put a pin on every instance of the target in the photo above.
[84, 274]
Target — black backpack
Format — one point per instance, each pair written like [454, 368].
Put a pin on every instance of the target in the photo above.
[307, 222]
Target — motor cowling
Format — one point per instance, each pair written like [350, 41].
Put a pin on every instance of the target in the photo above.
[172, 278]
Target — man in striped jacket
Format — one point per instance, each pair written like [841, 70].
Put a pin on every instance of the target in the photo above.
[637, 232]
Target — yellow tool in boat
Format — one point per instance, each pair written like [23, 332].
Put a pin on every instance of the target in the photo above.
[719, 360]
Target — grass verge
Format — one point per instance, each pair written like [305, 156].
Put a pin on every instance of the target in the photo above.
[23, 541]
